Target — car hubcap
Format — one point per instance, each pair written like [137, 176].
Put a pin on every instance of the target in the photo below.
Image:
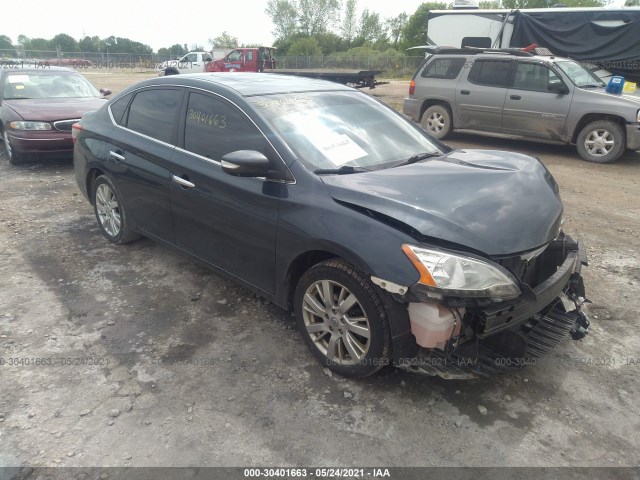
[599, 142]
[108, 210]
[336, 322]
[7, 145]
[435, 122]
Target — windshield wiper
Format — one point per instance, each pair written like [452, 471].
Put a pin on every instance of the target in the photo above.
[343, 170]
[418, 157]
[592, 85]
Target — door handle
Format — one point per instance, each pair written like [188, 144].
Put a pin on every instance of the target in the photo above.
[116, 156]
[185, 183]
[515, 97]
[464, 92]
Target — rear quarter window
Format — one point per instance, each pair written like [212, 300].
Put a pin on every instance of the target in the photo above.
[118, 108]
[447, 68]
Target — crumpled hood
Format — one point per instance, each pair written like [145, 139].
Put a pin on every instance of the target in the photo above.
[53, 109]
[498, 203]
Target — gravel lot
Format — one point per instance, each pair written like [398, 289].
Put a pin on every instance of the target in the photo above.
[138, 356]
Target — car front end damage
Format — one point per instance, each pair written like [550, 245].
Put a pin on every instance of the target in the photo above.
[462, 335]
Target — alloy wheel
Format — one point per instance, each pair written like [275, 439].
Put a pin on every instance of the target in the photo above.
[108, 210]
[599, 142]
[336, 322]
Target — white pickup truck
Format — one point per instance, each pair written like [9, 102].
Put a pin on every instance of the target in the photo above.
[192, 62]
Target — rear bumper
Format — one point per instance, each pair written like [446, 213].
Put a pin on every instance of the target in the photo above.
[633, 136]
[411, 107]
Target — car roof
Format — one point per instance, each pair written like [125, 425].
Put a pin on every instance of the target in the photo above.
[40, 69]
[249, 84]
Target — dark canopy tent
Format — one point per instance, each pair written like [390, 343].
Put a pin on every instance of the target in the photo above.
[585, 36]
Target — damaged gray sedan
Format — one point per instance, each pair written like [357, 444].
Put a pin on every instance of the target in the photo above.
[389, 246]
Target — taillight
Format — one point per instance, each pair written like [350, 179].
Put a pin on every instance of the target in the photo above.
[76, 128]
[412, 87]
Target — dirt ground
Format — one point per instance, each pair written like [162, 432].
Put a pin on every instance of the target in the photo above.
[137, 356]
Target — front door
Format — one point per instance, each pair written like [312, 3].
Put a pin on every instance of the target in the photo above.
[230, 222]
[530, 109]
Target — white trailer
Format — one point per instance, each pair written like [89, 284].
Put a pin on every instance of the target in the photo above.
[608, 37]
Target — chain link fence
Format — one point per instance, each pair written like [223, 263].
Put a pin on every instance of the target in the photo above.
[398, 64]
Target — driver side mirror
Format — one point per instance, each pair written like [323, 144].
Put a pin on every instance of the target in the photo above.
[104, 92]
[558, 87]
[246, 163]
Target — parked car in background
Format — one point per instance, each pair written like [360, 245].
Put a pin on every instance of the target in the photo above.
[192, 62]
[38, 107]
[388, 245]
[521, 95]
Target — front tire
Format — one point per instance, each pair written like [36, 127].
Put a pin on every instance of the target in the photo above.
[112, 217]
[601, 142]
[436, 120]
[15, 158]
[342, 319]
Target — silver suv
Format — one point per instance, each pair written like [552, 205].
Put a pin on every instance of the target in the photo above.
[520, 95]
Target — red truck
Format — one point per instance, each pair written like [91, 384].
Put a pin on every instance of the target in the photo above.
[262, 59]
[244, 60]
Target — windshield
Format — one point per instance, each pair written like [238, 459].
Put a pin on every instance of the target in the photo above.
[329, 130]
[47, 85]
[580, 76]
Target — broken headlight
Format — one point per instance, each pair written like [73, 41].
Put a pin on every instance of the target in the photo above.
[457, 275]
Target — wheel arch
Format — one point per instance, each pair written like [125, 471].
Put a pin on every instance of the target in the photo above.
[171, 71]
[92, 174]
[594, 117]
[305, 260]
[434, 101]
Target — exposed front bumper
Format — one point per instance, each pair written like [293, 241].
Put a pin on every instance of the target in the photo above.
[513, 334]
[411, 107]
[633, 136]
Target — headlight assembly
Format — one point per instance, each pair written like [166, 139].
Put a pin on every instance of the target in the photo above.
[30, 125]
[456, 275]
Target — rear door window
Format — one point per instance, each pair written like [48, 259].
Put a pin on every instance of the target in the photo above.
[119, 107]
[493, 73]
[532, 76]
[447, 68]
[154, 113]
[214, 127]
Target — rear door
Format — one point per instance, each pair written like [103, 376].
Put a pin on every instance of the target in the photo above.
[140, 155]
[230, 222]
[530, 108]
[480, 96]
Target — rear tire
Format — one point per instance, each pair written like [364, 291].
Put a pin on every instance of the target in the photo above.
[111, 214]
[342, 319]
[436, 120]
[602, 141]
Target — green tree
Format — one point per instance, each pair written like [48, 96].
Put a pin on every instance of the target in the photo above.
[305, 46]
[65, 42]
[224, 40]
[632, 3]
[317, 16]
[396, 25]
[176, 50]
[415, 29]
[284, 16]
[371, 29]
[5, 44]
[349, 21]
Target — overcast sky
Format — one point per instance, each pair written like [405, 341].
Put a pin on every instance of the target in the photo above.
[193, 21]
